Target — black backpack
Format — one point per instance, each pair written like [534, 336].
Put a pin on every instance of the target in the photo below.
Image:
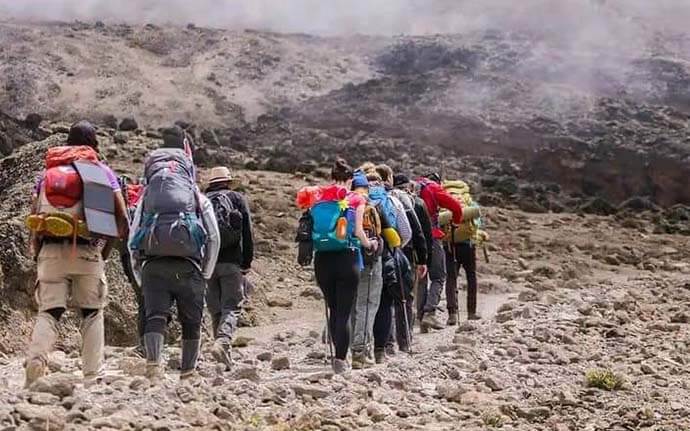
[303, 238]
[230, 219]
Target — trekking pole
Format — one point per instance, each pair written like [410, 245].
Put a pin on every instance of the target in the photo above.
[328, 331]
[366, 315]
[403, 300]
[486, 253]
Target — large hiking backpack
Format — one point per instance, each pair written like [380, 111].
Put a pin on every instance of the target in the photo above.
[333, 226]
[469, 228]
[60, 207]
[171, 223]
[230, 219]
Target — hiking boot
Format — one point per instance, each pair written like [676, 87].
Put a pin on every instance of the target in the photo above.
[340, 366]
[222, 353]
[154, 372]
[35, 369]
[380, 356]
[452, 319]
[390, 349]
[139, 351]
[190, 376]
[431, 322]
[360, 361]
[474, 316]
[404, 347]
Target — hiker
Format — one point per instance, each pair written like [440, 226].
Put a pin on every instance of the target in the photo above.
[338, 237]
[226, 294]
[131, 191]
[397, 233]
[435, 197]
[420, 262]
[174, 244]
[460, 245]
[415, 251]
[370, 283]
[70, 260]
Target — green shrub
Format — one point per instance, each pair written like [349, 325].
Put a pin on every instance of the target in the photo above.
[604, 379]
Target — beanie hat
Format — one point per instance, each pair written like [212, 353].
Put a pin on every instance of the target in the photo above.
[359, 180]
[400, 180]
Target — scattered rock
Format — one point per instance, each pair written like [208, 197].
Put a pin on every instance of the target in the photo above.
[58, 384]
[279, 302]
[128, 124]
[316, 392]
[378, 412]
[247, 373]
[280, 363]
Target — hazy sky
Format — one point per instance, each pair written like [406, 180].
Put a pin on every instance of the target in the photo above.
[372, 16]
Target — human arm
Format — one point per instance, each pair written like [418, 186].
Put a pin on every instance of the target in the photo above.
[427, 229]
[447, 201]
[135, 258]
[212, 236]
[247, 236]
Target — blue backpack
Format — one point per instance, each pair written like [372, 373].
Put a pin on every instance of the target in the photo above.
[325, 216]
[378, 196]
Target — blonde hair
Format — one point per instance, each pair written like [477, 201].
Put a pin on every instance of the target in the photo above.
[386, 173]
[369, 170]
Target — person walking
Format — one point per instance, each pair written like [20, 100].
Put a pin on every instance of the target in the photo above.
[174, 243]
[436, 198]
[338, 236]
[226, 291]
[70, 260]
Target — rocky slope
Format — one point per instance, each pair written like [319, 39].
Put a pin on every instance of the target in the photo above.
[598, 121]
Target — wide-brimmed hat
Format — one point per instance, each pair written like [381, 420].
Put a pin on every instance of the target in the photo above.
[220, 174]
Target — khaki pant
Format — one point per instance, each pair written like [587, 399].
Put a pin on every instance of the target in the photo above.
[70, 280]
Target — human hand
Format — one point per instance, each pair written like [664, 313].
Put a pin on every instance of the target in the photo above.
[421, 271]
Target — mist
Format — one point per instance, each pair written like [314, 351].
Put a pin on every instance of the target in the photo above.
[596, 19]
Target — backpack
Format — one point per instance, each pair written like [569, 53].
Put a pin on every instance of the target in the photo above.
[171, 224]
[469, 228]
[230, 219]
[333, 226]
[379, 198]
[132, 194]
[60, 207]
[303, 238]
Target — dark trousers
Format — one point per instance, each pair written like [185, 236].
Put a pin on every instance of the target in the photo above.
[337, 275]
[170, 280]
[463, 255]
[138, 294]
[225, 297]
[384, 319]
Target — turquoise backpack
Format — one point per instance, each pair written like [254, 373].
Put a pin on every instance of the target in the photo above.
[325, 217]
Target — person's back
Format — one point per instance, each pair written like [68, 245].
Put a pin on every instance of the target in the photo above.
[71, 248]
[226, 291]
[174, 244]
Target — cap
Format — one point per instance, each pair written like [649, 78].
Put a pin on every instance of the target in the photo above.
[359, 180]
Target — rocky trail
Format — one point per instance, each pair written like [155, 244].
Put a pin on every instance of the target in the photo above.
[583, 175]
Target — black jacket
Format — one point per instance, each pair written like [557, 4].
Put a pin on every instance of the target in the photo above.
[397, 274]
[427, 229]
[244, 255]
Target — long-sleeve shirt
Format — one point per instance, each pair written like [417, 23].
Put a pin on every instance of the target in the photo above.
[436, 197]
[417, 247]
[211, 248]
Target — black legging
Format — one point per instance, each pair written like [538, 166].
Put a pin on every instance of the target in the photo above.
[465, 257]
[338, 276]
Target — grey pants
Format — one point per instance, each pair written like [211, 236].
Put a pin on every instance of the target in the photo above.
[437, 275]
[225, 296]
[363, 316]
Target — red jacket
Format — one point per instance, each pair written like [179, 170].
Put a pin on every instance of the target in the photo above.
[436, 197]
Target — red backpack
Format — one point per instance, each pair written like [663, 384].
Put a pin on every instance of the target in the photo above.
[60, 210]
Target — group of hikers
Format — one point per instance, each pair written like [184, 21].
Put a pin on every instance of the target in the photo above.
[379, 243]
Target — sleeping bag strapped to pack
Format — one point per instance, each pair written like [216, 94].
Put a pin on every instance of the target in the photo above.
[333, 225]
[170, 225]
[469, 228]
[60, 206]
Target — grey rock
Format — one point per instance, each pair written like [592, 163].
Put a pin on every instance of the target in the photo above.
[58, 384]
[316, 392]
[378, 412]
[280, 363]
[128, 124]
[264, 356]
[247, 373]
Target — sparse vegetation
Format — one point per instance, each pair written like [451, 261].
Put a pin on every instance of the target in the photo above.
[493, 419]
[604, 379]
